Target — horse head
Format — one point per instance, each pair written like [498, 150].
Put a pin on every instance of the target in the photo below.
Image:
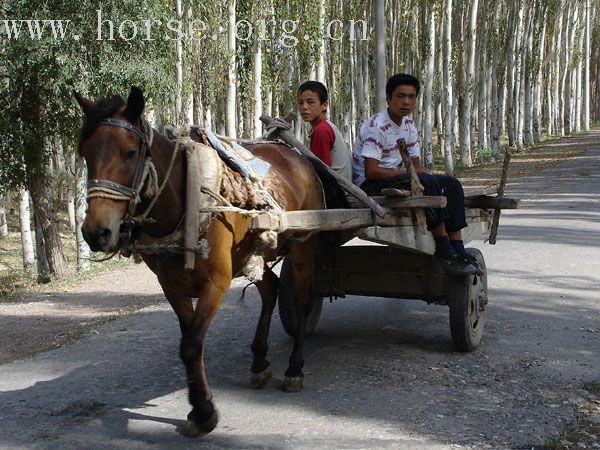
[114, 147]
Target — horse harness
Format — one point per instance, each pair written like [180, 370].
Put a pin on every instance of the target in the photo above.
[101, 188]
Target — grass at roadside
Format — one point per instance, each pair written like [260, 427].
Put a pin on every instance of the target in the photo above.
[15, 282]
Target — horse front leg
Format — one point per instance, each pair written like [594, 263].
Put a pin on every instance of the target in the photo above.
[203, 417]
[303, 264]
[261, 368]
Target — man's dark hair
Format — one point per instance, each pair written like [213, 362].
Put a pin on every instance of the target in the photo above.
[401, 79]
[315, 86]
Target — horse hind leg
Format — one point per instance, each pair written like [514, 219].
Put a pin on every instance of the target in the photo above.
[268, 288]
[303, 264]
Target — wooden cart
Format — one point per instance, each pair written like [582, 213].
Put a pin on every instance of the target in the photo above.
[393, 257]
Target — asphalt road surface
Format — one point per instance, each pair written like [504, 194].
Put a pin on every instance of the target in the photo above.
[379, 373]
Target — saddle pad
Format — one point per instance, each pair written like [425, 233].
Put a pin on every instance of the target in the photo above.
[259, 166]
[254, 168]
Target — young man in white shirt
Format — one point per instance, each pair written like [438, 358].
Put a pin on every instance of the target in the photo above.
[377, 164]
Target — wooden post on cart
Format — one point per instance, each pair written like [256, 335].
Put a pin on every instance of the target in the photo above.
[415, 185]
[497, 210]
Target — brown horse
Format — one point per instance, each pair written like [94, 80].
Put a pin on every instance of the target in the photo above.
[113, 141]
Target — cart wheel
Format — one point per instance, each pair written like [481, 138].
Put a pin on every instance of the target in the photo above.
[467, 299]
[287, 305]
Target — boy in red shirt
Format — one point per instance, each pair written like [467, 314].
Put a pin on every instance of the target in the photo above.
[326, 141]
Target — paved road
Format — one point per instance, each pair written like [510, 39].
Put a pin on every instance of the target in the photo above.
[381, 373]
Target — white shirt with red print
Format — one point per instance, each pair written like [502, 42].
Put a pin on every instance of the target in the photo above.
[377, 140]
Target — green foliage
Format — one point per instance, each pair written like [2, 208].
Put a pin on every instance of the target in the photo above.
[36, 98]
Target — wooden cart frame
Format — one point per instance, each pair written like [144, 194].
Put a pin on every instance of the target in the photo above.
[399, 262]
[394, 259]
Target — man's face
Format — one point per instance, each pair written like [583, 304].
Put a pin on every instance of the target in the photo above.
[402, 101]
[310, 107]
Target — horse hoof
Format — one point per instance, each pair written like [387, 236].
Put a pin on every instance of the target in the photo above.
[193, 429]
[260, 380]
[293, 384]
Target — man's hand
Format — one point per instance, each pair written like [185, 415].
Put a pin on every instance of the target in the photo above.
[375, 173]
[419, 168]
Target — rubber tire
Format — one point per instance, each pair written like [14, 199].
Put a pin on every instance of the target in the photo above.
[287, 306]
[463, 292]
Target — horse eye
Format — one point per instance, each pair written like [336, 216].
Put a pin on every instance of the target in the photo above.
[130, 154]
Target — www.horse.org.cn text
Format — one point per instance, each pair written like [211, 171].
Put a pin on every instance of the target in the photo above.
[286, 32]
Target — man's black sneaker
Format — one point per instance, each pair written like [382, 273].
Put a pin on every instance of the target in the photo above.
[456, 265]
[470, 259]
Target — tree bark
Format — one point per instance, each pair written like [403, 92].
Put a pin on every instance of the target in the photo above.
[465, 116]
[3, 222]
[71, 191]
[483, 67]
[179, 115]
[232, 78]
[43, 269]
[428, 110]
[83, 250]
[586, 76]
[381, 57]
[321, 57]
[448, 92]
[258, 111]
[510, 74]
[49, 226]
[25, 223]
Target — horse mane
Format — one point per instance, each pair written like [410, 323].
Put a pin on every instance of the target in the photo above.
[107, 107]
[335, 198]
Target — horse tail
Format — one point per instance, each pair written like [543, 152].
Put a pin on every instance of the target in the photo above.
[335, 198]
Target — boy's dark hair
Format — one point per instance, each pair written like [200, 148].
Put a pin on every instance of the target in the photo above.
[401, 79]
[315, 86]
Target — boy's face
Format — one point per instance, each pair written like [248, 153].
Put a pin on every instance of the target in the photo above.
[402, 101]
[310, 107]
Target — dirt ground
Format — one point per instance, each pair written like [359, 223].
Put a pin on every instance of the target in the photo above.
[45, 320]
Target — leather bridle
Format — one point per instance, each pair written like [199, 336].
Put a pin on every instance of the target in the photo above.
[116, 191]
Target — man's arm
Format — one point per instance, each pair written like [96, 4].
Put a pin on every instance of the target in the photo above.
[375, 173]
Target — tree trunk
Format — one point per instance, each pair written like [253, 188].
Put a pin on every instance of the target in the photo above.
[448, 97]
[232, 78]
[465, 116]
[537, 107]
[83, 250]
[25, 222]
[510, 71]
[428, 98]
[49, 225]
[529, 84]
[381, 57]
[483, 67]
[586, 76]
[321, 57]
[518, 80]
[497, 88]
[258, 111]
[70, 191]
[3, 222]
[43, 269]
[179, 115]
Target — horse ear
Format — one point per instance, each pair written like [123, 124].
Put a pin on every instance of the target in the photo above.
[86, 104]
[135, 104]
